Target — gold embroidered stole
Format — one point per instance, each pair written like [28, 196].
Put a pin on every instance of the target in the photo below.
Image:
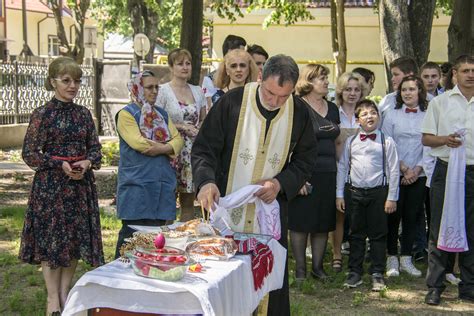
[254, 157]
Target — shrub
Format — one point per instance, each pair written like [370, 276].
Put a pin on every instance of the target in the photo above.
[110, 154]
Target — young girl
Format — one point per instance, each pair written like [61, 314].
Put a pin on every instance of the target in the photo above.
[403, 124]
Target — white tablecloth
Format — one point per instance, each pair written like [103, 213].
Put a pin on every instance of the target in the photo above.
[225, 288]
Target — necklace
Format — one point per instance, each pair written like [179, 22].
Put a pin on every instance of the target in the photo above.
[318, 105]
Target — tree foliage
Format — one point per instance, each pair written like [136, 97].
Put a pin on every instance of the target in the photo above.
[79, 9]
[287, 12]
[115, 16]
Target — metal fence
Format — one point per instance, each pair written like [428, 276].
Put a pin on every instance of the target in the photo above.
[22, 90]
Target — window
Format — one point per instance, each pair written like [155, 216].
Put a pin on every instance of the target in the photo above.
[53, 45]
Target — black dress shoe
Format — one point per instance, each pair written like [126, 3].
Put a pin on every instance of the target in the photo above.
[468, 296]
[433, 297]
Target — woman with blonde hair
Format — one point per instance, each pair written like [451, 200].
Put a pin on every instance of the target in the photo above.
[313, 212]
[237, 69]
[186, 106]
[350, 88]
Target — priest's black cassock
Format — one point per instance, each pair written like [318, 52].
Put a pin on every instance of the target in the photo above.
[212, 153]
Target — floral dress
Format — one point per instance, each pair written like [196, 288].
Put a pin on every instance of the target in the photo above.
[181, 113]
[62, 222]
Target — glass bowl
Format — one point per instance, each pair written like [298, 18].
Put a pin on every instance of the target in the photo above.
[167, 264]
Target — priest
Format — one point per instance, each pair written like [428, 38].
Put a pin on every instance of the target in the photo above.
[257, 134]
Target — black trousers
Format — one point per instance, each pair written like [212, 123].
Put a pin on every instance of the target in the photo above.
[409, 205]
[127, 232]
[368, 219]
[438, 259]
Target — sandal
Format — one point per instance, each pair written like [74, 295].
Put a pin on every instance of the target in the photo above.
[337, 265]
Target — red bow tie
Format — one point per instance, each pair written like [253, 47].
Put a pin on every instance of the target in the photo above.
[408, 110]
[363, 137]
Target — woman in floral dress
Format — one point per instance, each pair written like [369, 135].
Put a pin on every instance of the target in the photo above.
[186, 106]
[62, 222]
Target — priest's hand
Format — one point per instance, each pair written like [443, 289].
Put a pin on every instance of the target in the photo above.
[208, 194]
[270, 190]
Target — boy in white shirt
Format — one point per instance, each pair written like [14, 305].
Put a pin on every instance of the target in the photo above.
[368, 177]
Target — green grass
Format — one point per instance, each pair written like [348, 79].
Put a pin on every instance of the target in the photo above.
[22, 290]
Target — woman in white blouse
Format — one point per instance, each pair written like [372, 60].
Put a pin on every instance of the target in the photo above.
[186, 106]
[403, 124]
[350, 88]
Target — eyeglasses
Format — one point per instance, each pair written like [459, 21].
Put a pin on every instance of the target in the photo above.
[68, 81]
[152, 87]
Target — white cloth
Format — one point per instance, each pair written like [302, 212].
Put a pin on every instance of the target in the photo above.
[225, 288]
[268, 215]
[208, 86]
[366, 165]
[405, 129]
[446, 111]
[452, 231]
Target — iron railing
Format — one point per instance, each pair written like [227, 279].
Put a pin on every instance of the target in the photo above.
[22, 90]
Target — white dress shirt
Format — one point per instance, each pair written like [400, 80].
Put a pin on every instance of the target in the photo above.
[346, 121]
[366, 165]
[387, 103]
[405, 129]
[447, 113]
[429, 163]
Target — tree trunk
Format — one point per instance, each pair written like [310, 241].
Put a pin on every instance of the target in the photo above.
[395, 35]
[420, 17]
[79, 15]
[461, 30]
[191, 35]
[338, 32]
[57, 8]
[144, 19]
[79, 10]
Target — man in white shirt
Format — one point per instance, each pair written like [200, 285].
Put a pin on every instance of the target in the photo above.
[399, 68]
[446, 113]
[430, 73]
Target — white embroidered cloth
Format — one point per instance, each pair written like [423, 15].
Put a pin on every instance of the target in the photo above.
[452, 232]
[268, 215]
[226, 288]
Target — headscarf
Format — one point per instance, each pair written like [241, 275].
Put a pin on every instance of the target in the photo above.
[152, 124]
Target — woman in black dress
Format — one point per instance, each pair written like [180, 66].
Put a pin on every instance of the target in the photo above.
[313, 212]
[62, 222]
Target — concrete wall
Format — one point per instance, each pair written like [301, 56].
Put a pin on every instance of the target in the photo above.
[311, 40]
[12, 135]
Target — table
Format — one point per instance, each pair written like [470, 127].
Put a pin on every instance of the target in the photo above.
[225, 288]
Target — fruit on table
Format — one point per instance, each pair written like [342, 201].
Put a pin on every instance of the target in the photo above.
[197, 267]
